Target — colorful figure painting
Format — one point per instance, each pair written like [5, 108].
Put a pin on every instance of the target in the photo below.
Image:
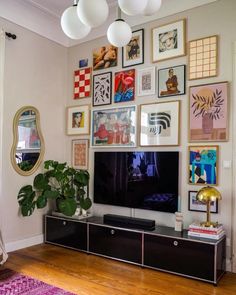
[203, 165]
[105, 57]
[124, 86]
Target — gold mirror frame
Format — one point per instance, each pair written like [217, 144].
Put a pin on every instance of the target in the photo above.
[16, 137]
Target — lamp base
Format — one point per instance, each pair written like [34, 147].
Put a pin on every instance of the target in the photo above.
[209, 224]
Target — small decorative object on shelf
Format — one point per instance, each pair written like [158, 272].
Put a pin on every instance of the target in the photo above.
[211, 232]
[178, 221]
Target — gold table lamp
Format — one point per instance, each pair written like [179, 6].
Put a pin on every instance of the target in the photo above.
[207, 195]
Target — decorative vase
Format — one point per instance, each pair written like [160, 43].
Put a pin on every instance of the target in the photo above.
[207, 124]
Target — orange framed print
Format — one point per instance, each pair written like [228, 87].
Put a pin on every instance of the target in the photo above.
[78, 118]
[80, 154]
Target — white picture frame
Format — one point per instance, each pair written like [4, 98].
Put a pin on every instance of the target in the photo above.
[146, 81]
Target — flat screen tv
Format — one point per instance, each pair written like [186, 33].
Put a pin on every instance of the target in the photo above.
[145, 180]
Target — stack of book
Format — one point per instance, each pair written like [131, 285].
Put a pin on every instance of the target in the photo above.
[197, 230]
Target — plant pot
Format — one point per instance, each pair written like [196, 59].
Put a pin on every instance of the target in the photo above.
[207, 124]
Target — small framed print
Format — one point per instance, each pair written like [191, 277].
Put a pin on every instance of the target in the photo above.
[83, 63]
[80, 154]
[171, 81]
[146, 81]
[82, 83]
[78, 120]
[133, 52]
[105, 57]
[208, 112]
[195, 205]
[114, 127]
[124, 86]
[160, 124]
[203, 58]
[102, 89]
[203, 165]
[168, 41]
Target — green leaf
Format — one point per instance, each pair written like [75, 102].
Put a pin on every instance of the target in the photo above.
[51, 194]
[67, 206]
[69, 192]
[41, 202]
[27, 209]
[85, 203]
[40, 182]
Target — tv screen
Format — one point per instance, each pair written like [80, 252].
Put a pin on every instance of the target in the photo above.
[145, 180]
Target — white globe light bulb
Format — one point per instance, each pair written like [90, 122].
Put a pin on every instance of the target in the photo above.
[93, 13]
[152, 7]
[119, 33]
[71, 24]
[132, 7]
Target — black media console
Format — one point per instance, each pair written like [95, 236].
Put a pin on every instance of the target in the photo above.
[162, 248]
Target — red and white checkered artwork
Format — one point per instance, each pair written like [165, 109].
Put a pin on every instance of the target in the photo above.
[82, 85]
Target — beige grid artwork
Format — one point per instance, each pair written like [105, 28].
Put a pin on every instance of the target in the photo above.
[203, 58]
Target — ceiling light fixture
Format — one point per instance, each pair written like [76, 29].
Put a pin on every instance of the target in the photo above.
[93, 13]
[152, 7]
[119, 32]
[132, 7]
[71, 24]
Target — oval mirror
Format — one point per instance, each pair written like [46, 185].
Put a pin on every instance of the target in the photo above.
[28, 144]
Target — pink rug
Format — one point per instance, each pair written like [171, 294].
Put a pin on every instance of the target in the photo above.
[12, 283]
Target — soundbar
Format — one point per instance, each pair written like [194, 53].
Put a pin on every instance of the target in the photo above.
[129, 222]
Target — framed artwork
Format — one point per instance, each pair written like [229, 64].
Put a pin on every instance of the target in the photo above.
[114, 127]
[78, 120]
[208, 113]
[171, 81]
[80, 154]
[159, 124]
[105, 57]
[133, 52]
[83, 63]
[203, 165]
[203, 58]
[82, 83]
[124, 86]
[195, 205]
[146, 81]
[168, 41]
[102, 89]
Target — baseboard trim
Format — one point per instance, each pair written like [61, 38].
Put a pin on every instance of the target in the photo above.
[20, 244]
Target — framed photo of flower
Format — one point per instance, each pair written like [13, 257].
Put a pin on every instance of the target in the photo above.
[208, 113]
[80, 154]
[203, 165]
[102, 89]
[195, 205]
[160, 124]
[124, 86]
[171, 81]
[133, 52]
[78, 120]
[169, 41]
[146, 81]
[114, 127]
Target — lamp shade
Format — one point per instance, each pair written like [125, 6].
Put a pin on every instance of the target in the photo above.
[208, 193]
[132, 7]
[71, 24]
[119, 33]
[93, 13]
[152, 7]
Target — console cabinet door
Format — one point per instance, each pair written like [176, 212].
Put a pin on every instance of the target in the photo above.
[72, 234]
[115, 243]
[180, 256]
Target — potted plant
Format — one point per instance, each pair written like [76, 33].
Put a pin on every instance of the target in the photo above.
[58, 182]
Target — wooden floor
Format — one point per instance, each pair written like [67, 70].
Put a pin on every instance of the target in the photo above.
[85, 274]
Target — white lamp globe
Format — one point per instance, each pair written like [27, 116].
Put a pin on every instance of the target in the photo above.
[93, 13]
[152, 7]
[72, 26]
[132, 7]
[119, 33]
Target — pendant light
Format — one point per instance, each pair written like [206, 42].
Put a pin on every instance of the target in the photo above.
[132, 7]
[93, 13]
[152, 7]
[119, 32]
[71, 24]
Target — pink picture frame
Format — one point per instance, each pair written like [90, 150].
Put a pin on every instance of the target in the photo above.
[80, 154]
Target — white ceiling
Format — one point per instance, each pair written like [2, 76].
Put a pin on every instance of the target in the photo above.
[43, 16]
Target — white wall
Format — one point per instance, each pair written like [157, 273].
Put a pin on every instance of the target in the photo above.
[35, 74]
[214, 19]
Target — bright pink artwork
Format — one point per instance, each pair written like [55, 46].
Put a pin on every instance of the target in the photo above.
[208, 119]
[124, 86]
